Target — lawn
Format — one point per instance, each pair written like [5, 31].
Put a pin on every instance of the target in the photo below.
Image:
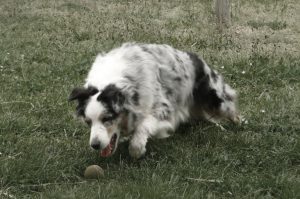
[47, 47]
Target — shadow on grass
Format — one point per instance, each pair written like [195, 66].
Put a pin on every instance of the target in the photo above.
[197, 134]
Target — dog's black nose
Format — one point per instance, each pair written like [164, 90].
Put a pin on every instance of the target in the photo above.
[96, 146]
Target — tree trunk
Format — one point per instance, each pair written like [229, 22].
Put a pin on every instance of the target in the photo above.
[222, 9]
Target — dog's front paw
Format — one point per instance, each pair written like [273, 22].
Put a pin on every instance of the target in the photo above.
[136, 149]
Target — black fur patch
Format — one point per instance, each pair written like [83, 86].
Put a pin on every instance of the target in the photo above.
[212, 99]
[162, 111]
[203, 94]
[178, 79]
[169, 92]
[145, 49]
[82, 95]
[198, 65]
[153, 54]
[133, 122]
[166, 112]
[136, 98]
[135, 84]
[178, 59]
[112, 97]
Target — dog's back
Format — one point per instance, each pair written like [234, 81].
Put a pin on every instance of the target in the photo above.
[165, 81]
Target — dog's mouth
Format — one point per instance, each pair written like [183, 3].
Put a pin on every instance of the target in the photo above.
[108, 151]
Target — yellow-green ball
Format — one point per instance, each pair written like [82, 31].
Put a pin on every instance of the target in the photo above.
[93, 172]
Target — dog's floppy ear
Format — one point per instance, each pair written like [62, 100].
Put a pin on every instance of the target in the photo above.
[82, 94]
[113, 97]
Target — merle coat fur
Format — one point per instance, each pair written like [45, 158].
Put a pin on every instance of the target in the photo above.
[143, 91]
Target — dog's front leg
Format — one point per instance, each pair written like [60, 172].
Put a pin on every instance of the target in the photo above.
[146, 129]
[137, 145]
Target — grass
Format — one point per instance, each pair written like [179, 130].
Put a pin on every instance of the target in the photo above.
[274, 25]
[47, 47]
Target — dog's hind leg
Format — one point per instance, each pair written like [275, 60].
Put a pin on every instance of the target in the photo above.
[213, 98]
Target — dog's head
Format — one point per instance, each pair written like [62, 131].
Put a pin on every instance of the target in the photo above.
[103, 111]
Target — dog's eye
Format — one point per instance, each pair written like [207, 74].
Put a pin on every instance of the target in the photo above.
[107, 119]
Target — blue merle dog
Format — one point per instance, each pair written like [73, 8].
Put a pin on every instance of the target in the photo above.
[141, 91]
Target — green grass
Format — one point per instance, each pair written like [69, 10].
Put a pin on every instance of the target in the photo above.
[47, 47]
[274, 25]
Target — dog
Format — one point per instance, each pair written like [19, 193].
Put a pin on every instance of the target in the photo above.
[141, 91]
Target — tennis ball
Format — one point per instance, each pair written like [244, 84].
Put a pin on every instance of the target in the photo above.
[93, 172]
